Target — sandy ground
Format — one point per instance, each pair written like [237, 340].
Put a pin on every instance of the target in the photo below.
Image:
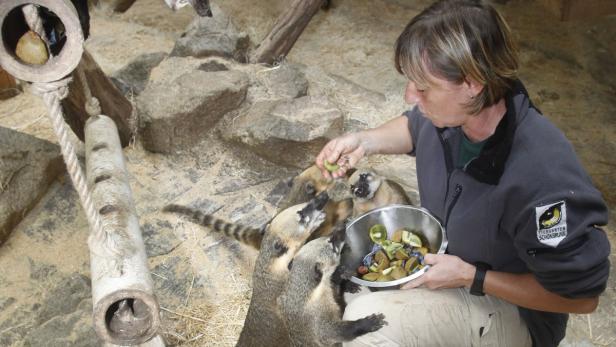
[567, 67]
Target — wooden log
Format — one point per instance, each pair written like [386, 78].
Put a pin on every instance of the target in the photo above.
[126, 312]
[112, 101]
[8, 85]
[287, 29]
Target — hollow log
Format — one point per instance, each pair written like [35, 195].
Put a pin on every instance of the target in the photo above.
[287, 29]
[126, 312]
[112, 101]
[155, 342]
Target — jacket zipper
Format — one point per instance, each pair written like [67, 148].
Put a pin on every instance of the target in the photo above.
[456, 194]
[449, 166]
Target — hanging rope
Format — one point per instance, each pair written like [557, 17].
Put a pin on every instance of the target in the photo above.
[35, 23]
[93, 106]
[52, 93]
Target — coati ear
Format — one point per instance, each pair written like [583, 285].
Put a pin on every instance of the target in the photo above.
[350, 172]
[318, 273]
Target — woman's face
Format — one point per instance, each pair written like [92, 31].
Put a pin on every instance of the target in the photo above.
[442, 102]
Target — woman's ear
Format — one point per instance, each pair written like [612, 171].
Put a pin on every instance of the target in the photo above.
[473, 87]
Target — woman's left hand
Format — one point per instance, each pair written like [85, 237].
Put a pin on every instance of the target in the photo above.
[446, 271]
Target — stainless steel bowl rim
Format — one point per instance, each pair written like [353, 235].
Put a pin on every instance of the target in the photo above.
[411, 277]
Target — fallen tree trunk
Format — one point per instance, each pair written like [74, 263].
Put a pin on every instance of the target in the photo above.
[287, 29]
[112, 101]
[125, 309]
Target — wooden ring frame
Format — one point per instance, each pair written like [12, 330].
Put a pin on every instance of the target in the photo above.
[56, 67]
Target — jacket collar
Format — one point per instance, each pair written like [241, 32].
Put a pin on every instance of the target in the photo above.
[489, 166]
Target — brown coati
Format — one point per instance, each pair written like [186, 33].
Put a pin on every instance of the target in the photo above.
[311, 182]
[312, 302]
[280, 240]
[371, 191]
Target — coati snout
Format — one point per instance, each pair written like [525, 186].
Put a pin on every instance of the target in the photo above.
[364, 184]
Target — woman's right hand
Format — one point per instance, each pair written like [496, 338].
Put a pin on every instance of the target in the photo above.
[345, 151]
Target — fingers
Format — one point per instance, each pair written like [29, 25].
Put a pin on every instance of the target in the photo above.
[416, 283]
[430, 258]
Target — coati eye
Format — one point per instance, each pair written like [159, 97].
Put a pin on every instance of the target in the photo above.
[310, 189]
[280, 248]
[318, 273]
[290, 265]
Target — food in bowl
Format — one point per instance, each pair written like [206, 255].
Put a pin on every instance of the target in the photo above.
[394, 258]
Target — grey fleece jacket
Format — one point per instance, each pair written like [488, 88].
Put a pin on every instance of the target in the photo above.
[525, 204]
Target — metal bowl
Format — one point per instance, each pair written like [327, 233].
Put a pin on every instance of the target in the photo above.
[393, 217]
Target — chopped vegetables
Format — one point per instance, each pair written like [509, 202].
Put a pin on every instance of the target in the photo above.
[330, 166]
[394, 258]
[378, 233]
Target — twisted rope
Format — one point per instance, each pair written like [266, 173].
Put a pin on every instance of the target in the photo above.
[93, 106]
[35, 23]
[52, 93]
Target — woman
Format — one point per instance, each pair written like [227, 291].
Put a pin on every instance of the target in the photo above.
[520, 212]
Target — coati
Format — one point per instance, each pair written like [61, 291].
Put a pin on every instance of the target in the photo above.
[279, 241]
[202, 7]
[312, 302]
[371, 191]
[311, 182]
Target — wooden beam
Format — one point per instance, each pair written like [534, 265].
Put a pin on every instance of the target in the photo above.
[287, 29]
[8, 85]
[112, 101]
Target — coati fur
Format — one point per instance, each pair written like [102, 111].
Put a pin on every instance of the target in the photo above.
[312, 302]
[311, 182]
[370, 191]
[279, 241]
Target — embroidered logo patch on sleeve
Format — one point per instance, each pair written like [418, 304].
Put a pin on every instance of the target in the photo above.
[551, 223]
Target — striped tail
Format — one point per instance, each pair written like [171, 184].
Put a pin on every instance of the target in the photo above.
[246, 235]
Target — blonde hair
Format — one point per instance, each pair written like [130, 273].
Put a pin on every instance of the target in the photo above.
[458, 40]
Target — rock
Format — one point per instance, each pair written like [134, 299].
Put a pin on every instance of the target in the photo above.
[286, 81]
[74, 329]
[28, 166]
[159, 239]
[181, 103]
[132, 79]
[362, 108]
[287, 132]
[65, 297]
[212, 36]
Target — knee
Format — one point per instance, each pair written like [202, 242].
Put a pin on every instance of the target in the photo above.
[362, 306]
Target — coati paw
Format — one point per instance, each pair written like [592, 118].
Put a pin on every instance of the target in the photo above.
[350, 287]
[375, 322]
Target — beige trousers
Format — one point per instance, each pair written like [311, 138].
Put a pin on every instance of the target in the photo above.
[444, 317]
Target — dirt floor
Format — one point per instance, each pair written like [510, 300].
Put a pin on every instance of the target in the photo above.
[567, 67]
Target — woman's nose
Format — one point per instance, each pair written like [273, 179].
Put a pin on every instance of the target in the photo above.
[411, 95]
